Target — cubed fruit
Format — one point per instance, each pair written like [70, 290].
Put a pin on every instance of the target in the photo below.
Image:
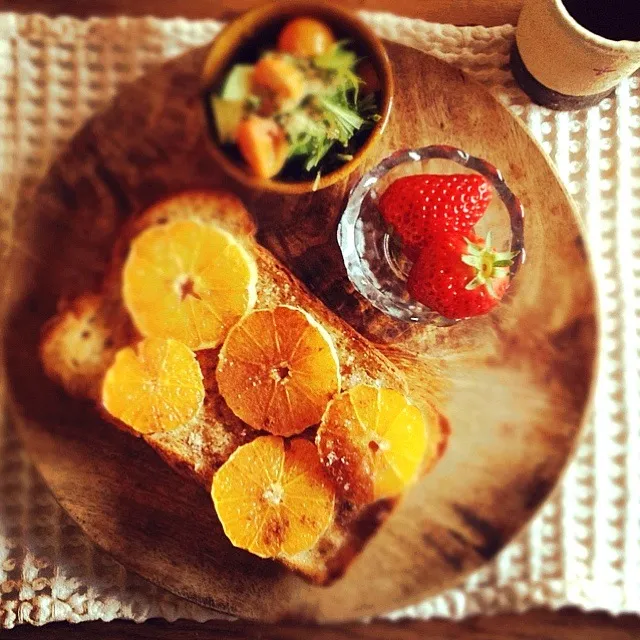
[237, 85]
[263, 144]
[278, 77]
[227, 114]
[305, 37]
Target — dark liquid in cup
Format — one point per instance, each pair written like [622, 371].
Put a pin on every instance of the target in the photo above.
[611, 19]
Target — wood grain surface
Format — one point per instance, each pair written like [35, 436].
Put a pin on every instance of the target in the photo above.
[536, 625]
[461, 12]
[514, 384]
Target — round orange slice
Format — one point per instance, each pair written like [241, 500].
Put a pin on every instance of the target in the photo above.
[273, 497]
[155, 387]
[278, 369]
[188, 281]
[372, 443]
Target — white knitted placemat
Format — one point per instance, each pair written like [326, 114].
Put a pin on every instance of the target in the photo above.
[584, 547]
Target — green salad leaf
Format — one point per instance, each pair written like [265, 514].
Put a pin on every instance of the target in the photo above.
[344, 120]
[312, 133]
[339, 62]
[338, 58]
[307, 136]
[322, 126]
[331, 116]
[368, 109]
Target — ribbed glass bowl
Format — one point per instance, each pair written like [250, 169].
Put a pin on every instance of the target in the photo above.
[373, 255]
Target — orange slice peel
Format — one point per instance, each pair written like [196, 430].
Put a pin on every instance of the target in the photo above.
[188, 281]
[278, 370]
[156, 386]
[373, 443]
[273, 497]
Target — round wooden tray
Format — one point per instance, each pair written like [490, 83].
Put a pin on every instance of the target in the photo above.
[515, 384]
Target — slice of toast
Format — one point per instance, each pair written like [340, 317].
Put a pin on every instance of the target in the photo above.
[79, 344]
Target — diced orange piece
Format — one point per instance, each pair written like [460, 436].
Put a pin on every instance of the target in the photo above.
[278, 369]
[278, 77]
[188, 281]
[373, 443]
[155, 387]
[305, 37]
[263, 144]
[273, 497]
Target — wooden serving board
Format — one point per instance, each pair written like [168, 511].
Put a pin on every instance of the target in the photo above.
[515, 384]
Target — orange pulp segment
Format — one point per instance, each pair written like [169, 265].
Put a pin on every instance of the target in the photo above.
[155, 387]
[372, 442]
[278, 369]
[188, 281]
[273, 497]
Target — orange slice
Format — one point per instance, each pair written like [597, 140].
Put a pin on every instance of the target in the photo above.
[155, 387]
[189, 281]
[372, 442]
[278, 369]
[273, 497]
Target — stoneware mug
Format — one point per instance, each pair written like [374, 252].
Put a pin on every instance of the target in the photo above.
[562, 64]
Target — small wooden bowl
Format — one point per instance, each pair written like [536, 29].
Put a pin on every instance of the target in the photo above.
[258, 28]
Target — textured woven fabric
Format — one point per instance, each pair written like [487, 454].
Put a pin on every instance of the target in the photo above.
[584, 546]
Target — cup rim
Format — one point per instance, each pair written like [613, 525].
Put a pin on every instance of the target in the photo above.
[597, 41]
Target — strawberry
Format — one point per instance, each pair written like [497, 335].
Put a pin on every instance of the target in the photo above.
[460, 276]
[419, 204]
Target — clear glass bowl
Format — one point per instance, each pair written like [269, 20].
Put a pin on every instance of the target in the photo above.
[373, 256]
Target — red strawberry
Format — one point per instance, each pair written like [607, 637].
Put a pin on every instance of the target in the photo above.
[419, 204]
[458, 276]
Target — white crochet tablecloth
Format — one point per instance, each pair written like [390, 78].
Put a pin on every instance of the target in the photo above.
[584, 547]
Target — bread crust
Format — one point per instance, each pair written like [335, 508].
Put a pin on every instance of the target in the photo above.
[78, 346]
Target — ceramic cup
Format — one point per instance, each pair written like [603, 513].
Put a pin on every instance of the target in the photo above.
[563, 65]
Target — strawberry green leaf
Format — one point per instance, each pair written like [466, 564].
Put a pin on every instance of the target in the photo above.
[473, 260]
[489, 265]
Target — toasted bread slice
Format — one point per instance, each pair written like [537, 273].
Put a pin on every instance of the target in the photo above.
[79, 344]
